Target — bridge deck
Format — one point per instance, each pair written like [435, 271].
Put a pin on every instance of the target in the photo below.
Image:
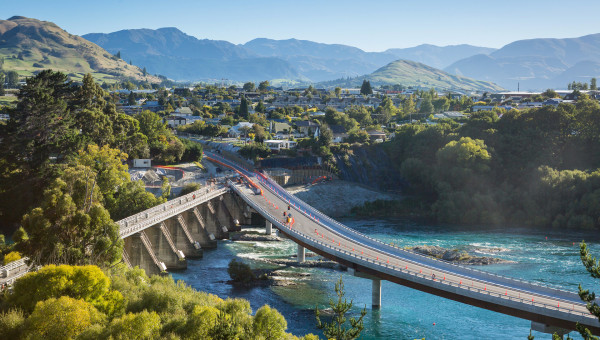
[333, 240]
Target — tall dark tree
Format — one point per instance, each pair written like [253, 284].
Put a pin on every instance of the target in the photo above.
[365, 88]
[263, 86]
[243, 110]
[2, 92]
[131, 98]
[12, 79]
[118, 55]
[42, 121]
[593, 85]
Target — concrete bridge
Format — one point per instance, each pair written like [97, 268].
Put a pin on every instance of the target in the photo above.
[163, 237]
[549, 309]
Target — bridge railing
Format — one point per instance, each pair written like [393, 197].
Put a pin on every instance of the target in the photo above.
[13, 265]
[157, 214]
[271, 185]
[526, 298]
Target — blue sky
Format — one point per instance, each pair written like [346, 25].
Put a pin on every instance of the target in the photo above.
[370, 25]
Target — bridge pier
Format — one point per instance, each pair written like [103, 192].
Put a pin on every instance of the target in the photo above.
[301, 254]
[236, 208]
[376, 293]
[269, 228]
[198, 227]
[375, 287]
[139, 254]
[543, 328]
[164, 247]
[183, 238]
[213, 222]
[225, 215]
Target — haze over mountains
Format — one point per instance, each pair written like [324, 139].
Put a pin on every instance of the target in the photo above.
[170, 52]
[536, 63]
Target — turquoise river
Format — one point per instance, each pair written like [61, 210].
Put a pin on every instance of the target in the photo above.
[548, 257]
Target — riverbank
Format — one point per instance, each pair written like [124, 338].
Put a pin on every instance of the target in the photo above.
[337, 198]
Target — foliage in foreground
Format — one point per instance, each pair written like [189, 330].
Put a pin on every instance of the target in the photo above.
[67, 302]
[336, 329]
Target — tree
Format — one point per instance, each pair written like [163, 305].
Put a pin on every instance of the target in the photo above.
[325, 136]
[259, 133]
[593, 267]
[269, 324]
[249, 86]
[336, 329]
[240, 272]
[131, 99]
[338, 91]
[118, 55]
[71, 225]
[43, 124]
[243, 110]
[12, 79]
[426, 106]
[260, 107]
[384, 112]
[62, 318]
[2, 91]
[593, 85]
[144, 71]
[263, 86]
[550, 93]
[143, 325]
[86, 283]
[365, 88]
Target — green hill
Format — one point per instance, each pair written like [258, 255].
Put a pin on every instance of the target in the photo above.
[410, 73]
[30, 45]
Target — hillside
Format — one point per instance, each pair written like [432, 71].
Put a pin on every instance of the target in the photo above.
[30, 45]
[410, 73]
[438, 56]
[535, 64]
[170, 52]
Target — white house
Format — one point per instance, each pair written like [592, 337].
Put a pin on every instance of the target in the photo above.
[141, 163]
[236, 131]
[277, 145]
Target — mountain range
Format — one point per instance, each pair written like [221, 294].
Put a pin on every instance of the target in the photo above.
[29, 46]
[535, 63]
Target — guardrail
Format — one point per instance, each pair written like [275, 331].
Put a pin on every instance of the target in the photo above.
[152, 216]
[431, 281]
[271, 184]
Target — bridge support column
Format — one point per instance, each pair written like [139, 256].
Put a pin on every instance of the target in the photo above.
[301, 254]
[213, 223]
[269, 228]
[164, 247]
[199, 228]
[540, 327]
[138, 250]
[236, 208]
[376, 294]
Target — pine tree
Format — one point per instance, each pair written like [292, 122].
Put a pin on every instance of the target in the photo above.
[366, 89]
[118, 55]
[336, 328]
[243, 111]
[593, 85]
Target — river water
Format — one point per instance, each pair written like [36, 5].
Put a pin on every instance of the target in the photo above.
[548, 257]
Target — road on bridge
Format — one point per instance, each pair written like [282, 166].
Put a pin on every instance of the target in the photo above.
[510, 296]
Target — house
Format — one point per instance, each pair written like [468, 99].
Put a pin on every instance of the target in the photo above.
[141, 163]
[278, 127]
[449, 115]
[277, 145]
[339, 133]
[183, 111]
[491, 107]
[306, 127]
[174, 121]
[375, 135]
[238, 130]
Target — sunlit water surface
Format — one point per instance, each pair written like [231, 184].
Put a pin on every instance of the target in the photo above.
[540, 256]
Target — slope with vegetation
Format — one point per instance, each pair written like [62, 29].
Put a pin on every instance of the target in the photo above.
[30, 45]
[409, 73]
